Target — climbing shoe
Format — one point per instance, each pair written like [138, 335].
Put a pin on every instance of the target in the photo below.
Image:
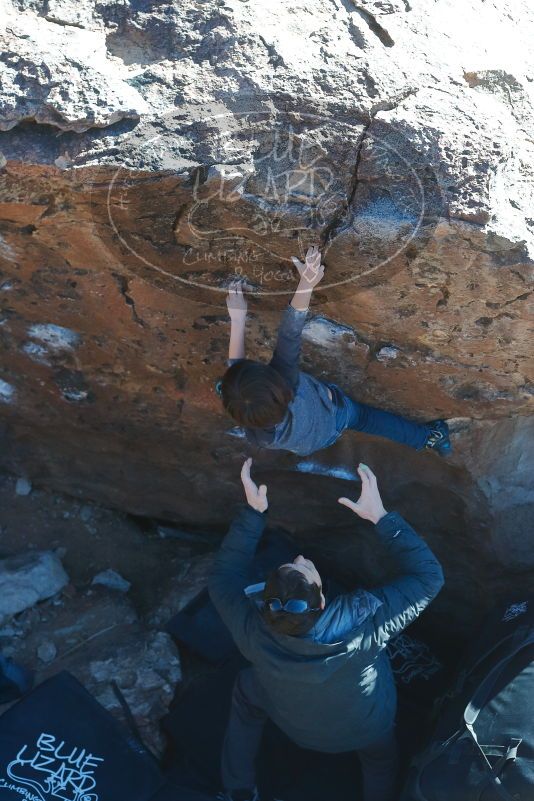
[438, 438]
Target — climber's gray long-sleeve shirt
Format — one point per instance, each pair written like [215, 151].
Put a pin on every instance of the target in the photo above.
[310, 421]
[333, 689]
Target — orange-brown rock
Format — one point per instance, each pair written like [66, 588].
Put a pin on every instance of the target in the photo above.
[165, 151]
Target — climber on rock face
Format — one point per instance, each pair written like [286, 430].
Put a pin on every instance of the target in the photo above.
[281, 407]
[319, 670]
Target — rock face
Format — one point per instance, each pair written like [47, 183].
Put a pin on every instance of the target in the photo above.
[151, 152]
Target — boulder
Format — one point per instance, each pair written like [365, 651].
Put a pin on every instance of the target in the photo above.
[151, 154]
[28, 578]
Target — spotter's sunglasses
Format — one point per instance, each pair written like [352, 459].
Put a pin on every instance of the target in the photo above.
[294, 605]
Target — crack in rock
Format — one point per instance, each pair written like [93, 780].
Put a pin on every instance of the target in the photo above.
[63, 23]
[375, 27]
[124, 286]
[386, 105]
[492, 305]
[338, 219]
[274, 56]
[394, 102]
[178, 217]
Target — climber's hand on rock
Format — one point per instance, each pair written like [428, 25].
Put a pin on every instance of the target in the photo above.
[310, 274]
[312, 271]
[236, 302]
[369, 505]
[256, 496]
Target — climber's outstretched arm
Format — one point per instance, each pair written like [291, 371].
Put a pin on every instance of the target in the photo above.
[310, 274]
[237, 309]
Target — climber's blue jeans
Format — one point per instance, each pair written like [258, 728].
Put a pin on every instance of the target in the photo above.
[360, 417]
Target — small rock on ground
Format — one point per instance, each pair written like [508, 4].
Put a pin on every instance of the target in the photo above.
[23, 486]
[47, 652]
[112, 580]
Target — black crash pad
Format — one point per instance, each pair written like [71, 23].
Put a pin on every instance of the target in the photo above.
[59, 744]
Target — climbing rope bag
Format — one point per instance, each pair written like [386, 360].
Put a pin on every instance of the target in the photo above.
[483, 746]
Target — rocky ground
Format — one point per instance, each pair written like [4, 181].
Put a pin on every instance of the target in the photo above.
[56, 618]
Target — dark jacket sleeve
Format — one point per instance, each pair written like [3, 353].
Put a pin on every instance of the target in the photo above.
[231, 572]
[286, 356]
[419, 581]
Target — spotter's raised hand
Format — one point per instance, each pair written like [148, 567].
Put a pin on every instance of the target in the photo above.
[256, 496]
[369, 505]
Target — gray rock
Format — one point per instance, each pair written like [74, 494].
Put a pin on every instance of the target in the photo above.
[47, 652]
[146, 669]
[54, 338]
[23, 486]
[112, 580]
[86, 513]
[49, 57]
[64, 12]
[321, 331]
[7, 391]
[28, 578]
[387, 353]
[188, 582]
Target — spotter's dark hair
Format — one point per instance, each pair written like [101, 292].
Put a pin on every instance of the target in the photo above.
[286, 583]
[255, 394]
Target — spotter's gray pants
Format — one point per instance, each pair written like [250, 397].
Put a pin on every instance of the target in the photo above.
[379, 761]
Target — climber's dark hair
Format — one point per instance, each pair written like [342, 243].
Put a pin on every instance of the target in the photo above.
[255, 394]
[286, 583]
